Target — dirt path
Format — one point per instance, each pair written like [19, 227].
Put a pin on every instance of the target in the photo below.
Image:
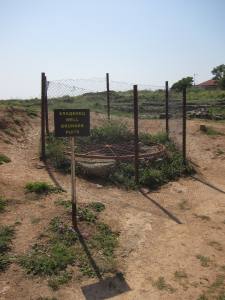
[161, 233]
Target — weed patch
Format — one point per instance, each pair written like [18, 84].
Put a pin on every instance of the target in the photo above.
[216, 290]
[152, 175]
[55, 152]
[65, 203]
[97, 206]
[85, 214]
[161, 285]
[56, 281]
[4, 159]
[3, 204]
[6, 236]
[40, 187]
[60, 246]
[204, 260]
[210, 131]
[180, 274]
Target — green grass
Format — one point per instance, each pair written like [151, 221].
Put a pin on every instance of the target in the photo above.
[85, 214]
[216, 290]
[151, 103]
[161, 285]
[3, 204]
[6, 235]
[180, 274]
[210, 131]
[65, 203]
[93, 206]
[204, 260]
[40, 187]
[56, 281]
[60, 246]
[4, 159]
[97, 206]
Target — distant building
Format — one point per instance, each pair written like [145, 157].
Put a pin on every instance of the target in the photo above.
[209, 84]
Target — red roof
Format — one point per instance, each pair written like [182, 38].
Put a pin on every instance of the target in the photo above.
[210, 82]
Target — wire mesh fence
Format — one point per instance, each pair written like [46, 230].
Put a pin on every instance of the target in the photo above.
[114, 103]
[176, 117]
[131, 110]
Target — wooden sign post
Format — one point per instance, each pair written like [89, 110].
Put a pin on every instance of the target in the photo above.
[71, 123]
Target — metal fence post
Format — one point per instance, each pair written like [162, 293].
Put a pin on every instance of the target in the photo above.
[73, 185]
[46, 106]
[184, 125]
[107, 93]
[42, 117]
[167, 108]
[136, 139]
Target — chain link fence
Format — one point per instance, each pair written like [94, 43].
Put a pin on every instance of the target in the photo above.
[176, 117]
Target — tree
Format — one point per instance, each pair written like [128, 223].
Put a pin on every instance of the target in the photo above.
[184, 82]
[222, 83]
[219, 75]
[218, 72]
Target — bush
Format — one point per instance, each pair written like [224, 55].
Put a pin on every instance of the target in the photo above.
[149, 139]
[55, 152]
[40, 187]
[109, 132]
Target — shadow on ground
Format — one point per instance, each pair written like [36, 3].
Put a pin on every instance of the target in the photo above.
[104, 288]
[166, 211]
[107, 288]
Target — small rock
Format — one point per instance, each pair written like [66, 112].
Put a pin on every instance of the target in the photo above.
[99, 186]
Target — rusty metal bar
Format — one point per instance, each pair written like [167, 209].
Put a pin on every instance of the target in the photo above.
[136, 138]
[108, 96]
[46, 106]
[184, 126]
[73, 185]
[43, 157]
[167, 107]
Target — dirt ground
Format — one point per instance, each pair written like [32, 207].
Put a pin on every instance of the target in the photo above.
[161, 232]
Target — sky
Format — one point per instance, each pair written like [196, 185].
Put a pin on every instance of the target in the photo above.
[139, 41]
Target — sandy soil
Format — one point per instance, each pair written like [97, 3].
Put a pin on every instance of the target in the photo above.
[161, 232]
